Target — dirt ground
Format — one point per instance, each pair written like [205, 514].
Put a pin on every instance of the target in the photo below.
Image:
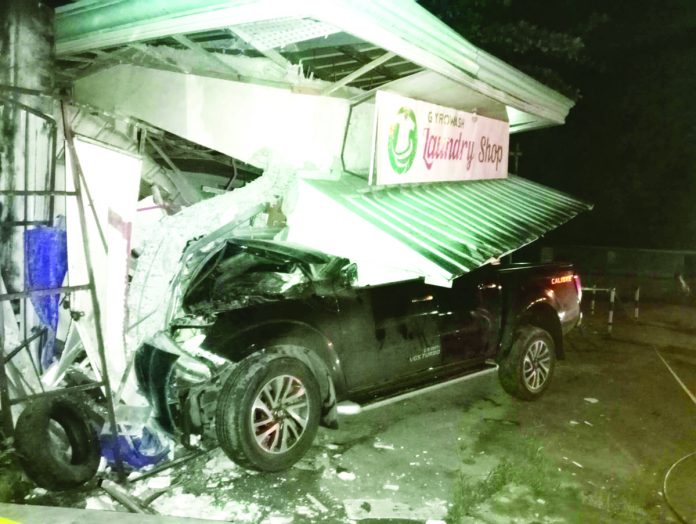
[595, 448]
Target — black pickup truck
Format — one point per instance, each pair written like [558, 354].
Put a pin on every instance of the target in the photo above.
[273, 340]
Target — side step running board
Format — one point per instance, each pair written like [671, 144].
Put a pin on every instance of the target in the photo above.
[351, 408]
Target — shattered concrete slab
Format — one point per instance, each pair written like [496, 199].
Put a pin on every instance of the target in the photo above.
[181, 504]
[150, 293]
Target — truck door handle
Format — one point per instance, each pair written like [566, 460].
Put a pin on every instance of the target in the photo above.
[491, 285]
[426, 298]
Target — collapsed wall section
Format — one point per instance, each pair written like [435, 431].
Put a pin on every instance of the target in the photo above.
[150, 292]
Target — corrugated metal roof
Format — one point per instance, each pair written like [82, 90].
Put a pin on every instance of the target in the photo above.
[416, 36]
[459, 225]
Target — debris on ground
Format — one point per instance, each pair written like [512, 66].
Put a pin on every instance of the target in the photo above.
[100, 502]
[316, 503]
[591, 400]
[277, 519]
[219, 464]
[306, 511]
[375, 509]
[127, 499]
[37, 492]
[346, 475]
[161, 482]
[179, 504]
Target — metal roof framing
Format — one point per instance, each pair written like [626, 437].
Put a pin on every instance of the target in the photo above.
[401, 27]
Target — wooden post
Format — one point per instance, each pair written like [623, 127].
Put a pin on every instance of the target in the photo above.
[636, 303]
[610, 320]
[592, 303]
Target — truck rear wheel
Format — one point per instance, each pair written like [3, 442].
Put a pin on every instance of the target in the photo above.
[268, 412]
[527, 370]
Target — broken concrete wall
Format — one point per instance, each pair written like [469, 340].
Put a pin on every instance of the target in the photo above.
[150, 293]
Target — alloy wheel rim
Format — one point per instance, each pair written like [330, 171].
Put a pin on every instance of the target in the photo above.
[536, 365]
[280, 413]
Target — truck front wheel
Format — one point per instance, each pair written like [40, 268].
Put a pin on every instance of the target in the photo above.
[527, 370]
[268, 412]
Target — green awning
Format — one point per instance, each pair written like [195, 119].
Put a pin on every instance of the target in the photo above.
[458, 226]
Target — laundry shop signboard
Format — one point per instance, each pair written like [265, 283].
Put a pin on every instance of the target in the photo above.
[420, 142]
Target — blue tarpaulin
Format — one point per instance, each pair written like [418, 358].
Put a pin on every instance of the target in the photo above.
[136, 449]
[45, 265]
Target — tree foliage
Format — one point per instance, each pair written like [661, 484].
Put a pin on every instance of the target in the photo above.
[525, 35]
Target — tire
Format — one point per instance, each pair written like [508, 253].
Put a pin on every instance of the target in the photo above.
[46, 462]
[278, 386]
[527, 370]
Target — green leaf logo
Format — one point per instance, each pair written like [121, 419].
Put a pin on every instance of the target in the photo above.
[403, 141]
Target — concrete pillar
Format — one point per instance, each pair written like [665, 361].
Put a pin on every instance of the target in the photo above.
[26, 63]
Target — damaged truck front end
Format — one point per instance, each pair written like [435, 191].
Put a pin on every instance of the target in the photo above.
[233, 298]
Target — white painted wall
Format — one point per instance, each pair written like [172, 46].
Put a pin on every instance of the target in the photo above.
[359, 138]
[261, 125]
[319, 222]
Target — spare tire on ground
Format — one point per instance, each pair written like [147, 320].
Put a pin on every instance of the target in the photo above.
[57, 442]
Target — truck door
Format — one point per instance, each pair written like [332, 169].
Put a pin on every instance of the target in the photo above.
[468, 319]
[404, 336]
